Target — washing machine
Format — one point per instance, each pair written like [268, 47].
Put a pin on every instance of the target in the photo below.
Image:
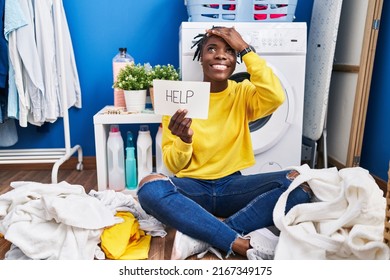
[277, 138]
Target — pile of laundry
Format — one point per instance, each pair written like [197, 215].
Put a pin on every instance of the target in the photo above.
[345, 220]
[62, 222]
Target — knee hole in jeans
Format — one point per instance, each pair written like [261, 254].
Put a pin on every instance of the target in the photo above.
[151, 178]
[292, 175]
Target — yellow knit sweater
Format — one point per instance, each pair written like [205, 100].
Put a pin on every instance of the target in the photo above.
[222, 145]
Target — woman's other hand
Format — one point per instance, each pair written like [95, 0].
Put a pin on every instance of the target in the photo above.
[231, 36]
[180, 126]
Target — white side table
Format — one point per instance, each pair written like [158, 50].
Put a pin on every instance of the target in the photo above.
[102, 122]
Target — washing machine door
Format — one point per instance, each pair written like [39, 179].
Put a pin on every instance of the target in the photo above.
[267, 131]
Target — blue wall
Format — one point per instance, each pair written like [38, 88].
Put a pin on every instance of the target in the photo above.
[376, 142]
[149, 29]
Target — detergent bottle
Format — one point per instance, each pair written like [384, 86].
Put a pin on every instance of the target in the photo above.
[131, 169]
[120, 60]
[160, 166]
[129, 140]
[144, 152]
[115, 159]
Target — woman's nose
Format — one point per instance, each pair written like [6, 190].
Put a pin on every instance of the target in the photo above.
[220, 54]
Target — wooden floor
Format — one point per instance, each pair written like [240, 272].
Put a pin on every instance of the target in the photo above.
[160, 247]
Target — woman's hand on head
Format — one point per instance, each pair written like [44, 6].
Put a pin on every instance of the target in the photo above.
[230, 35]
[180, 126]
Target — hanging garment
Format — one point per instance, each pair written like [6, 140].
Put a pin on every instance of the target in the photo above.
[346, 220]
[125, 241]
[13, 20]
[66, 64]
[8, 133]
[3, 105]
[45, 41]
[13, 99]
[25, 61]
[41, 52]
[3, 49]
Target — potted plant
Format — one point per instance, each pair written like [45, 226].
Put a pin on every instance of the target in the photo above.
[134, 80]
[162, 72]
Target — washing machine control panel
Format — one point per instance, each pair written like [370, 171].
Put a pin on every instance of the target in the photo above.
[272, 41]
[270, 38]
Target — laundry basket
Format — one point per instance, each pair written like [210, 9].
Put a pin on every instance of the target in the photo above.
[241, 10]
[386, 234]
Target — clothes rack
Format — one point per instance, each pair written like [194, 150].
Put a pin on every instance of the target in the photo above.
[50, 155]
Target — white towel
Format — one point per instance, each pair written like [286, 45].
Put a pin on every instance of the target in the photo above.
[346, 220]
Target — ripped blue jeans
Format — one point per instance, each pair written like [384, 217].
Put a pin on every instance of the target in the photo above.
[246, 203]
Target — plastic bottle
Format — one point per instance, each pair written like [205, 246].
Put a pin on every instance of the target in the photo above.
[115, 158]
[129, 140]
[144, 152]
[131, 169]
[160, 166]
[118, 62]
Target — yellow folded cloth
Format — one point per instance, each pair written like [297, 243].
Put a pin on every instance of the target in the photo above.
[125, 241]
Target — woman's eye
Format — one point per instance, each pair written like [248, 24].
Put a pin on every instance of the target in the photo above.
[231, 51]
[211, 49]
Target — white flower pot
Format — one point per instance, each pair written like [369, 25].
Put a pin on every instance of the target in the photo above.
[135, 100]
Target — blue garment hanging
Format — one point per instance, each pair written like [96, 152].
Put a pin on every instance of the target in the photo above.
[3, 49]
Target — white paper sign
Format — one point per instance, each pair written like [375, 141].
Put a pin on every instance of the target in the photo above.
[169, 96]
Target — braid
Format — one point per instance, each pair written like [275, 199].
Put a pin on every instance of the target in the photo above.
[199, 45]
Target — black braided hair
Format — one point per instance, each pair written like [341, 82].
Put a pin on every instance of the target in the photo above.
[202, 39]
[199, 45]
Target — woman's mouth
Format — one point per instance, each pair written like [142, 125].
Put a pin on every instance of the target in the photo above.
[219, 66]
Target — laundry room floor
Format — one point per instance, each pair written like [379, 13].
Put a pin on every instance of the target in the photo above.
[160, 248]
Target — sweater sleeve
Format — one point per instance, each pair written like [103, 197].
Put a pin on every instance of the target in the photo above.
[264, 92]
